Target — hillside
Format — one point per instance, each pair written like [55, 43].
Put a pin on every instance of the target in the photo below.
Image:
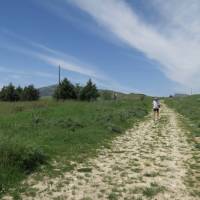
[151, 160]
[37, 133]
[47, 91]
[189, 108]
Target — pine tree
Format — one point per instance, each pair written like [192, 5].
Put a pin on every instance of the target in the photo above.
[30, 93]
[78, 89]
[19, 93]
[8, 93]
[65, 90]
[89, 92]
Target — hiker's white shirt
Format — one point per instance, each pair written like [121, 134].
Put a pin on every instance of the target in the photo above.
[155, 104]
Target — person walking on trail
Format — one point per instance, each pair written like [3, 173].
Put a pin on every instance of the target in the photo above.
[156, 108]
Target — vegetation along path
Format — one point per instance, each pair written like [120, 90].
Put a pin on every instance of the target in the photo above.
[148, 162]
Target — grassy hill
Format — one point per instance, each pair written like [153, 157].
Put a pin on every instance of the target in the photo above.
[189, 108]
[34, 134]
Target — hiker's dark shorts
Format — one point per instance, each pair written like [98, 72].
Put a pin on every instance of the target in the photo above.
[156, 109]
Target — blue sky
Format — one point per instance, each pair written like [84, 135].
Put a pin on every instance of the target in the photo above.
[131, 46]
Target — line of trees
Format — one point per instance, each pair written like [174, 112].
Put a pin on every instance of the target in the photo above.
[11, 93]
[66, 90]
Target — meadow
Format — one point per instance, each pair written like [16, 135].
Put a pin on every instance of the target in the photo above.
[189, 108]
[34, 135]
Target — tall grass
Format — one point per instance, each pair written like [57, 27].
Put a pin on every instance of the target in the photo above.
[189, 107]
[35, 133]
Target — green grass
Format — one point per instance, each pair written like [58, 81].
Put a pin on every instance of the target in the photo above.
[36, 133]
[112, 196]
[153, 190]
[85, 170]
[189, 107]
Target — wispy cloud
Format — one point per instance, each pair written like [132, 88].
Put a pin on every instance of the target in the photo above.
[175, 43]
[54, 58]
[17, 74]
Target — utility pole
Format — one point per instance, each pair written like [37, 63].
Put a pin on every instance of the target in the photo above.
[59, 72]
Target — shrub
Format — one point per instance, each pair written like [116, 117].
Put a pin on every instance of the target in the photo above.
[25, 158]
[89, 92]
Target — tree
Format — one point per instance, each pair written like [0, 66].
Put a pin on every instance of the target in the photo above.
[78, 89]
[30, 93]
[89, 92]
[19, 92]
[65, 90]
[8, 93]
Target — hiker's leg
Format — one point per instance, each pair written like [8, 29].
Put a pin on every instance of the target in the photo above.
[154, 115]
[158, 114]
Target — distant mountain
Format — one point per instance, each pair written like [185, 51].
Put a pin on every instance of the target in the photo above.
[47, 91]
[180, 95]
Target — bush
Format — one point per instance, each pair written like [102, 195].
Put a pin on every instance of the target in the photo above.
[25, 158]
[89, 92]
[65, 90]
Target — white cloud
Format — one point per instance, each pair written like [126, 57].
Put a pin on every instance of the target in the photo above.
[67, 65]
[51, 56]
[175, 43]
[55, 58]
[72, 64]
[17, 74]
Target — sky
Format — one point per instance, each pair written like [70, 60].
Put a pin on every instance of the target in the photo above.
[138, 46]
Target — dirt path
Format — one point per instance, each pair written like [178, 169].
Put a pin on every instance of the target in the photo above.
[148, 162]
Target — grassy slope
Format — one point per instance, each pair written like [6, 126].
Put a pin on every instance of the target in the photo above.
[32, 134]
[189, 107]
